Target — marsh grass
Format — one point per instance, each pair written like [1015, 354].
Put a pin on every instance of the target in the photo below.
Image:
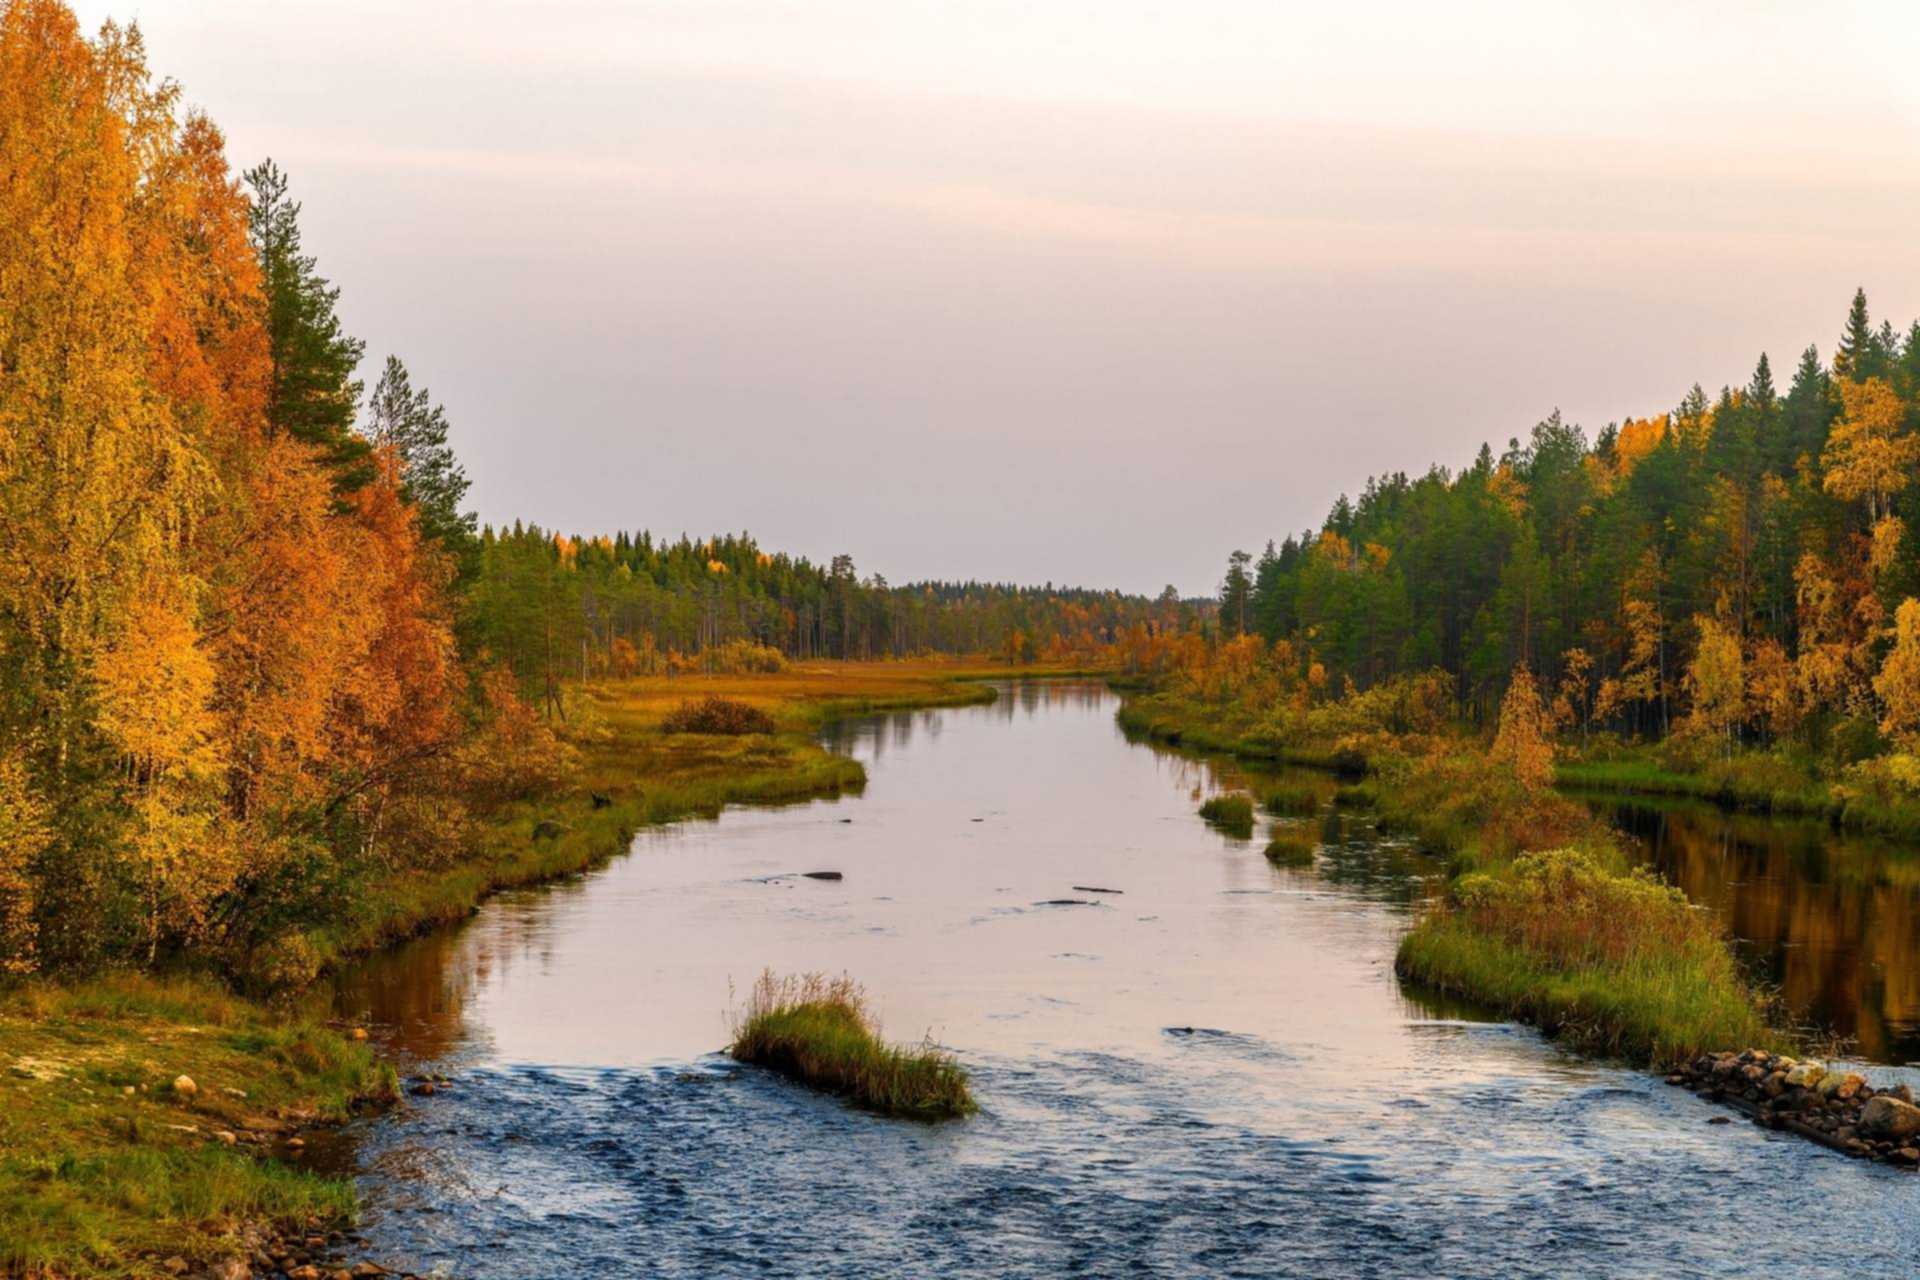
[1615, 963]
[1292, 844]
[1231, 813]
[818, 1030]
[1291, 800]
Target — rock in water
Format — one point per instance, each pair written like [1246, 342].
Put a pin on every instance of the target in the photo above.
[823, 875]
[1889, 1119]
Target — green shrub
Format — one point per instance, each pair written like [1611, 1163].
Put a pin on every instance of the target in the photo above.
[817, 1030]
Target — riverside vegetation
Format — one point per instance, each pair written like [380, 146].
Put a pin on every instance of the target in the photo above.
[819, 1030]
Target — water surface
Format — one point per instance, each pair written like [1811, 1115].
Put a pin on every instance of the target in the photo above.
[1210, 1072]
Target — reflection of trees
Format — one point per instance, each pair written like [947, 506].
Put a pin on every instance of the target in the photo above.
[1830, 920]
[418, 993]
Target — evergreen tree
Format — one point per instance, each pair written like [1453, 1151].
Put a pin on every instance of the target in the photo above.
[1807, 411]
[313, 395]
[1236, 595]
[1859, 356]
[408, 422]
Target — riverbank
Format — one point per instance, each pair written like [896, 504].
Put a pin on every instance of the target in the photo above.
[1751, 782]
[96, 1182]
[146, 1121]
[1542, 917]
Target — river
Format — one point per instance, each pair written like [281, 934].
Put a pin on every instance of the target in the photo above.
[1210, 1072]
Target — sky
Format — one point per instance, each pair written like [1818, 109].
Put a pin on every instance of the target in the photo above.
[1080, 291]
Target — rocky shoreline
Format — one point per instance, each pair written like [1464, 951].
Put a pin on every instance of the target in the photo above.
[1838, 1109]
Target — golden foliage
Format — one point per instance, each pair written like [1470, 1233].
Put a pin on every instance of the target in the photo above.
[1716, 680]
[1898, 683]
[1524, 740]
[1870, 455]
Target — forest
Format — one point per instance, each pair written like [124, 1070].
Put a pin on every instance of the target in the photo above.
[1740, 565]
[255, 654]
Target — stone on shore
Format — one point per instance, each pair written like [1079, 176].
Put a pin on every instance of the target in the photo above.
[1888, 1119]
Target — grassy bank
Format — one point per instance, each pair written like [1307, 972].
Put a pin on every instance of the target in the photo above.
[1178, 722]
[108, 1170]
[818, 1031]
[1753, 782]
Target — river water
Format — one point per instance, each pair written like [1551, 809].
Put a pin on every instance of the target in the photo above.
[1210, 1072]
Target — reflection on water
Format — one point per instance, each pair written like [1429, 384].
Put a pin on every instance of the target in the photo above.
[1832, 921]
[1212, 1072]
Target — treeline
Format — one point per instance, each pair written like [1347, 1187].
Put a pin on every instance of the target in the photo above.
[556, 607]
[1744, 562]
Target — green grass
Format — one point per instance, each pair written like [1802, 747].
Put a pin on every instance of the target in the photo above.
[1754, 782]
[93, 1179]
[1612, 963]
[1162, 717]
[1231, 813]
[1292, 845]
[817, 1030]
[1291, 799]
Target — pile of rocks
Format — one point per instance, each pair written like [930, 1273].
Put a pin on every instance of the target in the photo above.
[1835, 1108]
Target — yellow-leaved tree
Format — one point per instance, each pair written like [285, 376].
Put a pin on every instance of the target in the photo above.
[1898, 683]
[1870, 455]
[1716, 681]
[1524, 740]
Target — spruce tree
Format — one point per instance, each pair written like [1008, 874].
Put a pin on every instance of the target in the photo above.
[313, 394]
[1859, 354]
[1808, 409]
[1236, 595]
[408, 422]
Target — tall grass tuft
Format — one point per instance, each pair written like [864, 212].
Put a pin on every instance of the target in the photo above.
[1232, 814]
[1292, 845]
[817, 1030]
[1291, 800]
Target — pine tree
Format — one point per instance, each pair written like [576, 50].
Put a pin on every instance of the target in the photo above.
[408, 424]
[1859, 354]
[313, 393]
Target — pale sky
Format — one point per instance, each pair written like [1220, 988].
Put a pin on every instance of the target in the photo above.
[1088, 291]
